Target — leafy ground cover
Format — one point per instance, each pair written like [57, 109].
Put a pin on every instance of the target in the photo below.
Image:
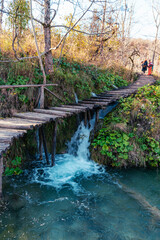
[71, 77]
[131, 133]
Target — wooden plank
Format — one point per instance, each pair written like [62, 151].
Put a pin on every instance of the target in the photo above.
[75, 106]
[7, 135]
[98, 100]
[4, 146]
[17, 123]
[118, 95]
[106, 94]
[18, 120]
[121, 91]
[13, 126]
[6, 140]
[96, 103]
[36, 116]
[90, 106]
[67, 110]
[52, 112]
[101, 97]
[9, 132]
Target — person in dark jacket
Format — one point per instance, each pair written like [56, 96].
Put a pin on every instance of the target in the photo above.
[144, 66]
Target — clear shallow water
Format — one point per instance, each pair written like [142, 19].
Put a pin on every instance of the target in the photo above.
[79, 199]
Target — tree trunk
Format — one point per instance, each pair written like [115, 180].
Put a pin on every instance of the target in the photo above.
[155, 43]
[47, 38]
[40, 59]
[102, 30]
[1, 14]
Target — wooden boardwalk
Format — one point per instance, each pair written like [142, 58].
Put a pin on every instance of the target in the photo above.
[18, 125]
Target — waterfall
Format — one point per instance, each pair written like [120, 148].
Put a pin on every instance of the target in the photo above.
[93, 94]
[76, 163]
[71, 165]
[76, 98]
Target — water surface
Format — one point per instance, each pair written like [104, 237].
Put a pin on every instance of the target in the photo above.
[79, 199]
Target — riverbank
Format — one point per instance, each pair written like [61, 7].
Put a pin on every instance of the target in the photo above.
[130, 135]
[74, 80]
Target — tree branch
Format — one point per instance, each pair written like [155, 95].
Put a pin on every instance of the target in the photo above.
[79, 31]
[42, 5]
[52, 18]
[7, 12]
[72, 27]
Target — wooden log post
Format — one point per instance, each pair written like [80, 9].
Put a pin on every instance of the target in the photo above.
[97, 117]
[1, 172]
[89, 117]
[81, 116]
[54, 143]
[44, 145]
[85, 118]
[40, 144]
[78, 118]
[41, 101]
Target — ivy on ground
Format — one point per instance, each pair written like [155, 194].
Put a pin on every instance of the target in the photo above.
[14, 168]
[131, 133]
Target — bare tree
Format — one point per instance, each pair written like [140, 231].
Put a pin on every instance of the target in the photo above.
[156, 15]
[40, 59]
[105, 32]
[66, 36]
[1, 14]
[47, 25]
[103, 22]
[124, 18]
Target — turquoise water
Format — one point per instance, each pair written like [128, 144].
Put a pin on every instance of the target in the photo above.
[79, 199]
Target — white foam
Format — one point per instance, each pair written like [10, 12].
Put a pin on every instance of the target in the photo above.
[68, 167]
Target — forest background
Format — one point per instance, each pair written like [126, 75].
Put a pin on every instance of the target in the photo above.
[104, 32]
[41, 34]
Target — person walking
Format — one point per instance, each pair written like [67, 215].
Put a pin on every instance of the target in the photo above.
[144, 66]
[150, 67]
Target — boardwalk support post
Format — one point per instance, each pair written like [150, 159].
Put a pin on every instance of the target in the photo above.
[45, 145]
[85, 118]
[54, 143]
[97, 117]
[40, 145]
[1, 171]
[78, 119]
[89, 118]
[41, 101]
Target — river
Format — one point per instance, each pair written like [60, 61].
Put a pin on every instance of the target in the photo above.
[79, 199]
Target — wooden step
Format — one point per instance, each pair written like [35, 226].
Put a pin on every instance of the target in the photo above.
[52, 112]
[17, 123]
[35, 116]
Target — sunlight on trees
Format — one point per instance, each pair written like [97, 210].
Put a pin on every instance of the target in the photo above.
[96, 32]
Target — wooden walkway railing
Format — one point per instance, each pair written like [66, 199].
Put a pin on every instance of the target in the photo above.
[18, 125]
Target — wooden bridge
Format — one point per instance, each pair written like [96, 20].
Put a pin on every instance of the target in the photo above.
[17, 126]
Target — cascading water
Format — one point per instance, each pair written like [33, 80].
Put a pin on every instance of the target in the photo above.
[76, 98]
[93, 94]
[79, 199]
[71, 165]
